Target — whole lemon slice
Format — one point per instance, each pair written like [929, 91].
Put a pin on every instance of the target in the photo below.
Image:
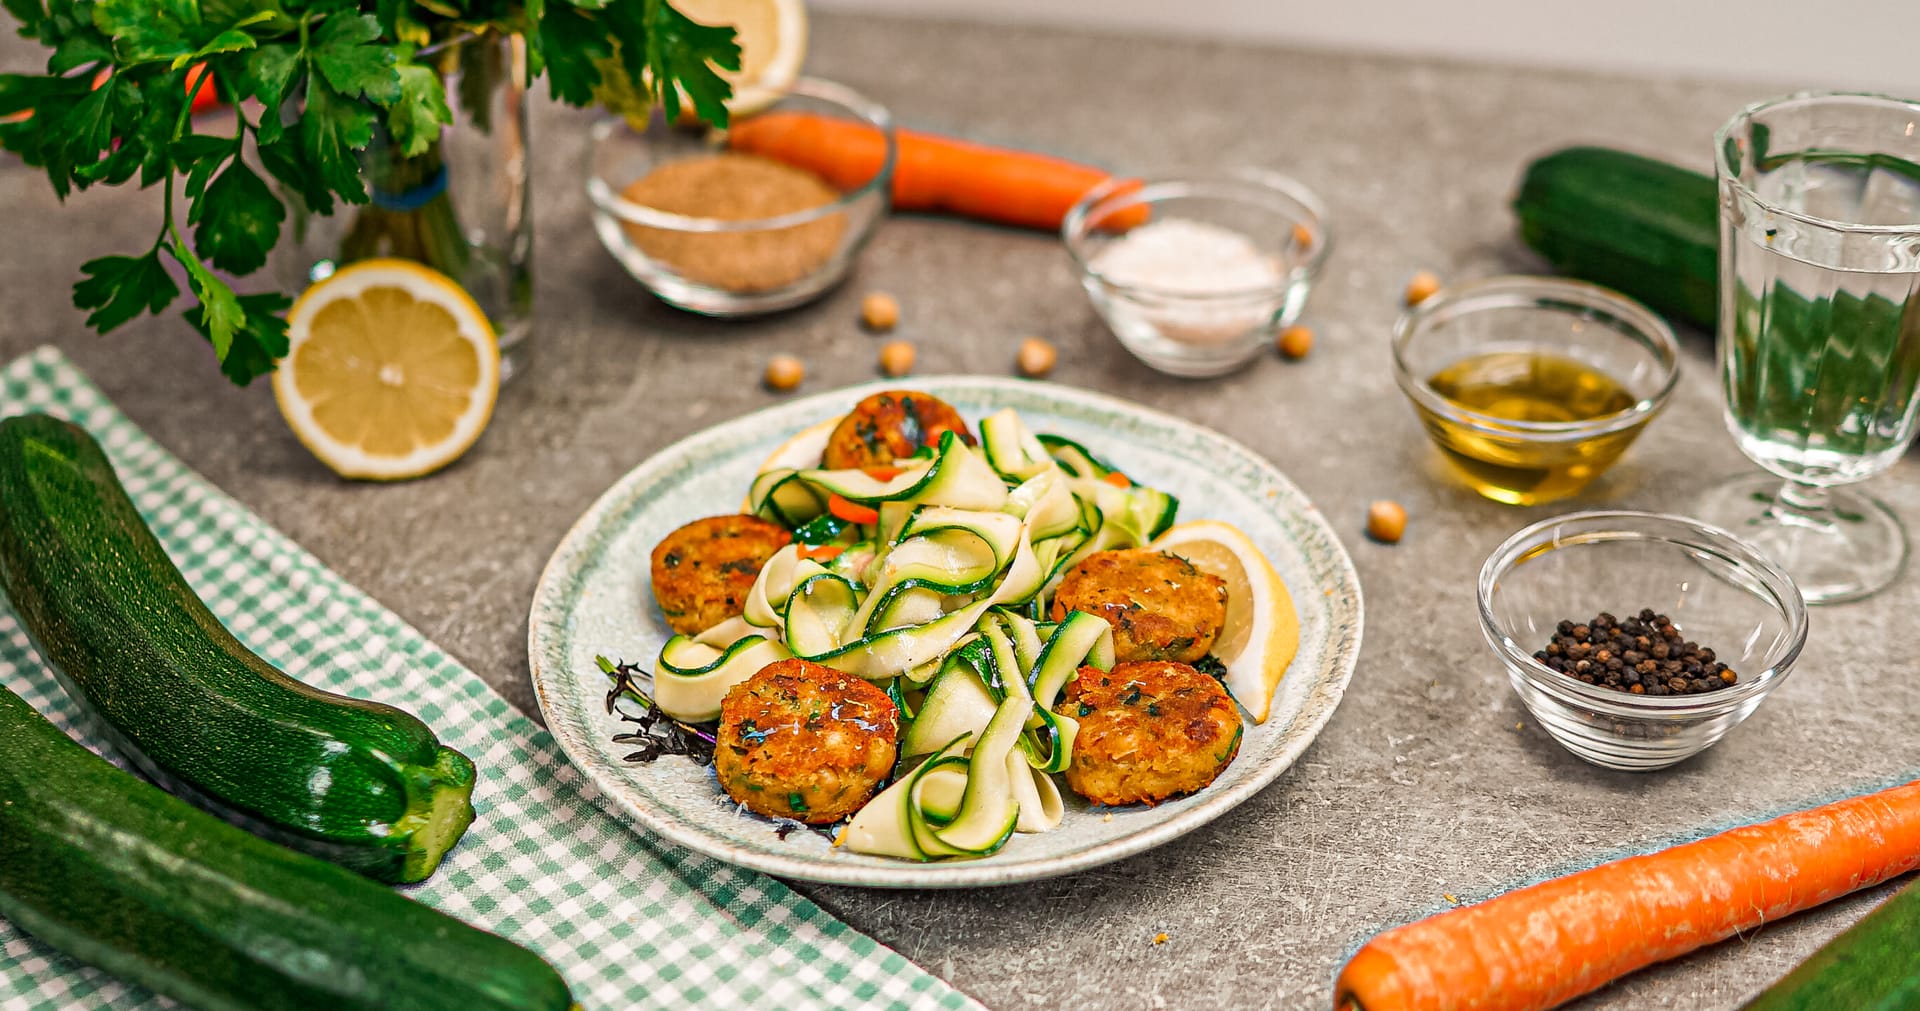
[1262, 631]
[773, 44]
[391, 370]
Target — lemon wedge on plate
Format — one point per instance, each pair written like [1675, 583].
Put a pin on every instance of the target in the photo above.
[773, 44]
[1262, 631]
[391, 370]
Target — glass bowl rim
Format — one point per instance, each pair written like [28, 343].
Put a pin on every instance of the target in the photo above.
[1554, 294]
[608, 201]
[1145, 189]
[1624, 524]
[1723, 171]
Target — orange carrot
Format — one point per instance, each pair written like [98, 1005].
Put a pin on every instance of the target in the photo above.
[820, 552]
[1117, 479]
[931, 172]
[881, 473]
[1551, 942]
[851, 511]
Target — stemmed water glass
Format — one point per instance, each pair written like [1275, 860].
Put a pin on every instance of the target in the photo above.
[1819, 330]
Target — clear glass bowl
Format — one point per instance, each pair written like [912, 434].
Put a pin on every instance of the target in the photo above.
[1718, 590]
[1195, 335]
[1530, 462]
[725, 267]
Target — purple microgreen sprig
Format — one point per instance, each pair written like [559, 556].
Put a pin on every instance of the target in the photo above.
[656, 733]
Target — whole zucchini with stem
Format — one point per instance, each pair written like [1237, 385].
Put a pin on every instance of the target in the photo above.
[119, 874]
[1642, 227]
[360, 783]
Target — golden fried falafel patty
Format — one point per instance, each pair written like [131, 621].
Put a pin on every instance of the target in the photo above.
[702, 571]
[802, 740]
[1160, 606]
[890, 426]
[1149, 730]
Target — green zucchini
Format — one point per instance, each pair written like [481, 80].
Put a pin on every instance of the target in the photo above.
[1644, 228]
[119, 874]
[359, 783]
[1870, 967]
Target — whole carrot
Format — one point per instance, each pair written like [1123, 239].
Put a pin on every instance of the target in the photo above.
[1551, 942]
[931, 172]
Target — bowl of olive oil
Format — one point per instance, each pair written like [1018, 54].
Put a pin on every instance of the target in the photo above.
[1531, 387]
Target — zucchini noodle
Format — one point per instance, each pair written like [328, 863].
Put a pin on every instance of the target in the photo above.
[940, 599]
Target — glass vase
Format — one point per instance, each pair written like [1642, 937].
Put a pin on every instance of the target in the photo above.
[460, 207]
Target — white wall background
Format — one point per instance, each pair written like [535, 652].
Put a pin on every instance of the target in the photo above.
[1800, 43]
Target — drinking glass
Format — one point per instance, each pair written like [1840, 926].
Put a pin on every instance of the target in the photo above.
[1819, 330]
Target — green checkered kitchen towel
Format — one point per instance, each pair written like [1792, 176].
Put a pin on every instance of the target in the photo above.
[629, 920]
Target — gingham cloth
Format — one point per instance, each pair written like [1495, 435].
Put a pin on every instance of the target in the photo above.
[629, 920]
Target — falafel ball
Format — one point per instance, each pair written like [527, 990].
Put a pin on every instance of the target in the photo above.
[1149, 730]
[891, 426]
[702, 571]
[802, 740]
[1160, 606]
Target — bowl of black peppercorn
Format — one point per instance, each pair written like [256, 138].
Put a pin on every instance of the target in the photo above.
[1638, 640]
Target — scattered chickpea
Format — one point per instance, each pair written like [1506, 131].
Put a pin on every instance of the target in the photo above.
[1386, 521]
[1160, 938]
[1296, 341]
[880, 312]
[896, 358]
[1035, 358]
[784, 372]
[1421, 287]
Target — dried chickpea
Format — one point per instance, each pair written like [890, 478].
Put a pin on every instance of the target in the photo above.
[1296, 341]
[1386, 521]
[784, 372]
[880, 312]
[896, 358]
[1421, 287]
[1035, 358]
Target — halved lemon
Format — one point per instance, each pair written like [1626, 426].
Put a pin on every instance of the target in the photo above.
[773, 44]
[391, 370]
[1262, 631]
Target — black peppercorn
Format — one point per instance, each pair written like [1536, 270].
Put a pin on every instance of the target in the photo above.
[1644, 655]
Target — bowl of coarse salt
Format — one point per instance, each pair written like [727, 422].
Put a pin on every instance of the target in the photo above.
[1197, 273]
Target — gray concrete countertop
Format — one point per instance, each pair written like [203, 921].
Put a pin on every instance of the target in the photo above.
[1429, 782]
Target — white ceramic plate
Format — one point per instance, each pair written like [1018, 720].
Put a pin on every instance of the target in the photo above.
[594, 598]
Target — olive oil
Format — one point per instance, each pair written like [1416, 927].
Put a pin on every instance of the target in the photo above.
[1522, 464]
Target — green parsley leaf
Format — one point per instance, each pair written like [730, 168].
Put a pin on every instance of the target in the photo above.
[269, 75]
[260, 341]
[202, 155]
[30, 13]
[238, 220]
[220, 311]
[346, 51]
[415, 120]
[76, 51]
[147, 136]
[232, 40]
[22, 92]
[573, 41]
[118, 288]
[681, 55]
[149, 31]
[333, 129]
[87, 128]
[284, 161]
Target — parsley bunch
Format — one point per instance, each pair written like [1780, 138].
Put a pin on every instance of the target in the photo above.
[311, 81]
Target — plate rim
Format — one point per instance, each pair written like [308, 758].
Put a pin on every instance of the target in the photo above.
[952, 874]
